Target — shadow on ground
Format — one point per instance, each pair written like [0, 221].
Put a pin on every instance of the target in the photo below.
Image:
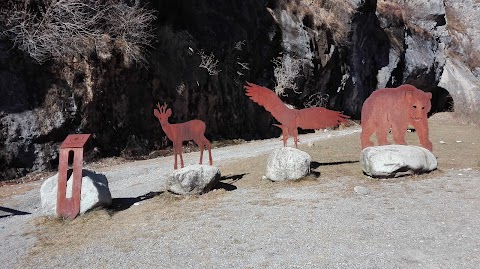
[228, 186]
[315, 165]
[11, 212]
[120, 204]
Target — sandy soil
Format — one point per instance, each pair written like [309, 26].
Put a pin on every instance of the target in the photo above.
[426, 221]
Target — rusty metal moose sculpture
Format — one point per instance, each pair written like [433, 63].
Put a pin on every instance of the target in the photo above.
[179, 132]
[291, 119]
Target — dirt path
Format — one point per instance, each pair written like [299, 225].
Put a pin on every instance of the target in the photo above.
[427, 221]
[126, 181]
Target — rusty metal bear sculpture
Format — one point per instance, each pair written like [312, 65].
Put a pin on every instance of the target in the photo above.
[396, 108]
[291, 119]
[179, 132]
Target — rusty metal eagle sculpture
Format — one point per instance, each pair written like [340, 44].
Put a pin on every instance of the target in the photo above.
[291, 119]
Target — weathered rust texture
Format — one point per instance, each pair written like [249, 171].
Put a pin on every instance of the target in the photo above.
[70, 207]
[291, 119]
[396, 108]
[179, 132]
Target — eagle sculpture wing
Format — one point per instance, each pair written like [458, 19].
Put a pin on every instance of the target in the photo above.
[319, 118]
[268, 99]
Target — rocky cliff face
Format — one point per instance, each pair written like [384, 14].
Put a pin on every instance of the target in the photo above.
[461, 73]
[344, 50]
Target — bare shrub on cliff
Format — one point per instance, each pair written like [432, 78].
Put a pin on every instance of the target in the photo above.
[61, 29]
[131, 29]
[317, 100]
[209, 63]
[286, 70]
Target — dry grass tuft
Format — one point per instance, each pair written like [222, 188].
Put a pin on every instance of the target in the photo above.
[461, 45]
[402, 12]
[334, 16]
[393, 10]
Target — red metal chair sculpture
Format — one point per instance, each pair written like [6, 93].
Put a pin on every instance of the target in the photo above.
[291, 119]
[179, 132]
[396, 108]
[70, 207]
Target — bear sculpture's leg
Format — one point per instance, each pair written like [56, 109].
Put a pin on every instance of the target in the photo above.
[422, 130]
[367, 132]
[398, 132]
[382, 133]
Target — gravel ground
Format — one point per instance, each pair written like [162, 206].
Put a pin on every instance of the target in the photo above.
[431, 222]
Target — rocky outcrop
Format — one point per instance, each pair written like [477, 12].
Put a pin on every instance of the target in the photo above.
[463, 18]
[36, 113]
[461, 74]
[347, 50]
[464, 88]
[114, 102]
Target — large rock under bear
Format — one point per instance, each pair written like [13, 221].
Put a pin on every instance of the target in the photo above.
[391, 161]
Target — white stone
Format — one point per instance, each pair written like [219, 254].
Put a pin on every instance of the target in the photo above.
[94, 193]
[361, 190]
[193, 179]
[396, 160]
[288, 164]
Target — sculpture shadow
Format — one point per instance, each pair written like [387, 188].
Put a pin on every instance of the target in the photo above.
[120, 204]
[234, 178]
[228, 186]
[12, 212]
[315, 165]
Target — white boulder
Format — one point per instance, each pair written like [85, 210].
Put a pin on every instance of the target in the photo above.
[288, 164]
[193, 179]
[396, 160]
[94, 193]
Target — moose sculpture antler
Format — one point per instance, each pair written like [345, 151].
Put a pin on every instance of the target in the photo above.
[179, 132]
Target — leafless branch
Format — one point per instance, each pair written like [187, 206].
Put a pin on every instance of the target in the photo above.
[72, 28]
[317, 100]
[286, 70]
[244, 66]
[209, 62]
[239, 44]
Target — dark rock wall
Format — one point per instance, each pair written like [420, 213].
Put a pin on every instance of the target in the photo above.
[114, 102]
[368, 53]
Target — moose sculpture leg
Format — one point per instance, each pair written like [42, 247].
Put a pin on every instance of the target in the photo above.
[179, 132]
